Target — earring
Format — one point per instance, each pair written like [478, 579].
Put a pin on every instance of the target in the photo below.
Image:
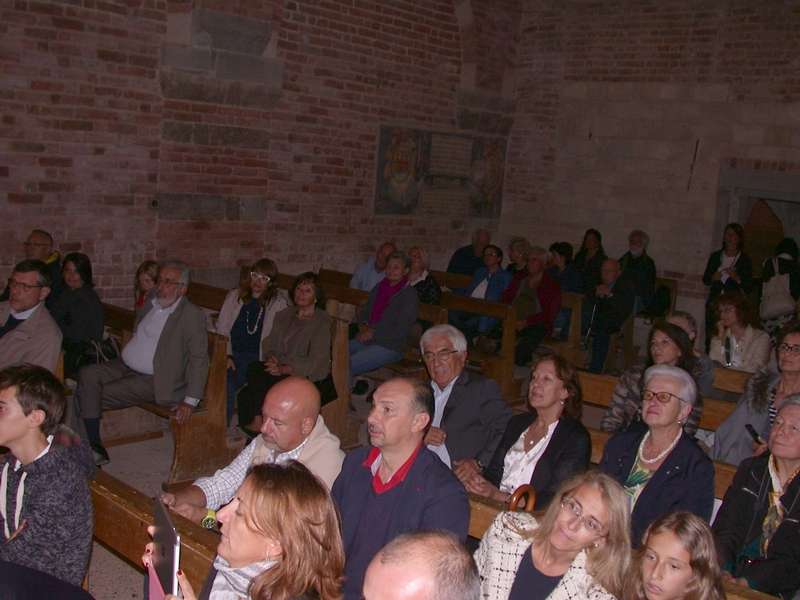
[562, 402]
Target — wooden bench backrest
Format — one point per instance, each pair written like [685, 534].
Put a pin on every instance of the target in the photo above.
[453, 281]
[574, 301]
[598, 390]
[731, 380]
[335, 277]
[672, 284]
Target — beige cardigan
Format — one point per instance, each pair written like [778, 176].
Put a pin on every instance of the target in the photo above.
[230, 311]
[754, 350]
[36, 341]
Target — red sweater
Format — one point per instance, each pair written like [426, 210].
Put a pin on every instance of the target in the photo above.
[548, 294]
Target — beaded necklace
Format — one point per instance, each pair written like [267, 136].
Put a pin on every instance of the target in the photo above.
[660, 456]
[258, 320]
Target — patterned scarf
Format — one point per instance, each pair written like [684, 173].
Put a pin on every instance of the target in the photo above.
[776, 511]
[233, 584]
[384, 294]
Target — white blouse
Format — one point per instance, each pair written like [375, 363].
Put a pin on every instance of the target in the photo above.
[519, 465]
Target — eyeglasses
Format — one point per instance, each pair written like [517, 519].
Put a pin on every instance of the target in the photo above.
[442, 355]
[167, 282]
[727, 309]
[258, 277]
[30, 244]
[794, 350]
[589, 523]
[13, 284]
[662, 397]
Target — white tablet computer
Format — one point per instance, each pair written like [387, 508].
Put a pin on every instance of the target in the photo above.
[167, 551]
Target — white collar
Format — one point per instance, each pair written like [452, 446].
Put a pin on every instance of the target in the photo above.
[22, 316]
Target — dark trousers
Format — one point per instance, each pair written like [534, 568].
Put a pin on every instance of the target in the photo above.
[467, 323]
[528, 341]
[251, 396]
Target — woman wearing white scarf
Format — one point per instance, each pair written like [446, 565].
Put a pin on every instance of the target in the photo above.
[281, 540]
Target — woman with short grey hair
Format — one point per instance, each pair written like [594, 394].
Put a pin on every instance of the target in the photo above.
[660, 466]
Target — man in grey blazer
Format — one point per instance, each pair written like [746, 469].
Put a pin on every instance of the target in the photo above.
[471, 413]
[166, 361]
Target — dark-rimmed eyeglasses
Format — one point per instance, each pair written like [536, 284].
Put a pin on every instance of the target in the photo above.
[13, 284]
[167, 282]
[793, 349]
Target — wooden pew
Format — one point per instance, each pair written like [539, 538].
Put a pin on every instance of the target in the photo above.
[200, 445]
[731, 380]
[571, 347]
[121, 517]
[339, 278]
[499, 367]
[452, 281]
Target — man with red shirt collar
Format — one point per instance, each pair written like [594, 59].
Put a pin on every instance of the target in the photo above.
[397, 485]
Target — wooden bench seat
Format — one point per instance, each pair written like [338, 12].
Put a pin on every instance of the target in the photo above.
[731, 380]
[452, 281]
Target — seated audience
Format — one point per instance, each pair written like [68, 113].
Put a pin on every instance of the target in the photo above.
[423, 565]
[145, 280]
[661, 468]
[568, 278]
[729, 269]
[785, 259]
[608, 308]
[677, 560]
[246, 318]
[518, 254]
[166, 361]
[760, 402]
[299, 344]
[385, 320]
[397, 485]
[739, 342]
[543, 447]
[467, 260]
[667, 344]
[45, 505]
[488, 283]
[578, 549]
[537, 298]
[39, 246]
[28, 334]
[703, 371]
[758, 525]
[280, 539]
[292, 429]
[371, 272]
[589, 260]
[78, 311]
[639, 269]
[426, 285]
[471, 413]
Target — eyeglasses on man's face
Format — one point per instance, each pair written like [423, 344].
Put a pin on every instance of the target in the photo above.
[166, 282]
[258, 277]
[442, 355]
[14, 284]
[589, 523]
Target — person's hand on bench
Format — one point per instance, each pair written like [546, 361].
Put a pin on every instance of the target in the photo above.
[182, 412]
[186, 503]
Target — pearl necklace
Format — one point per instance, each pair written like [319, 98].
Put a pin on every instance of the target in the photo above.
[660, 456]
[247, 320]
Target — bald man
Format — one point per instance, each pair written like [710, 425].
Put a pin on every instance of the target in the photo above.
[423, 565]
[292, 429]
[39, 246]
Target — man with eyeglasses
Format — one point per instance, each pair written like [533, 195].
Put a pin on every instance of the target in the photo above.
[28, 334]
[471, 414]
[39, 246]
[166, 361]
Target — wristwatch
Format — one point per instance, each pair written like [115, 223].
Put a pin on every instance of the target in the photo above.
[210, 520]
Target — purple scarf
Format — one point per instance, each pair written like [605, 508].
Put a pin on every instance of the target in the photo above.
[384, 294]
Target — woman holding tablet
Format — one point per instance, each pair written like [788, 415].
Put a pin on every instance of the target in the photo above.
[281, 540]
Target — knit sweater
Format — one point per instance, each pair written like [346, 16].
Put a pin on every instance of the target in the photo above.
[55, 505]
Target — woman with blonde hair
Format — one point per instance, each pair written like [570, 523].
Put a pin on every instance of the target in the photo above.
[281, 540]
[246, 318]
[145, 280]
[578, 549]
[677, 560]
[518, 254]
